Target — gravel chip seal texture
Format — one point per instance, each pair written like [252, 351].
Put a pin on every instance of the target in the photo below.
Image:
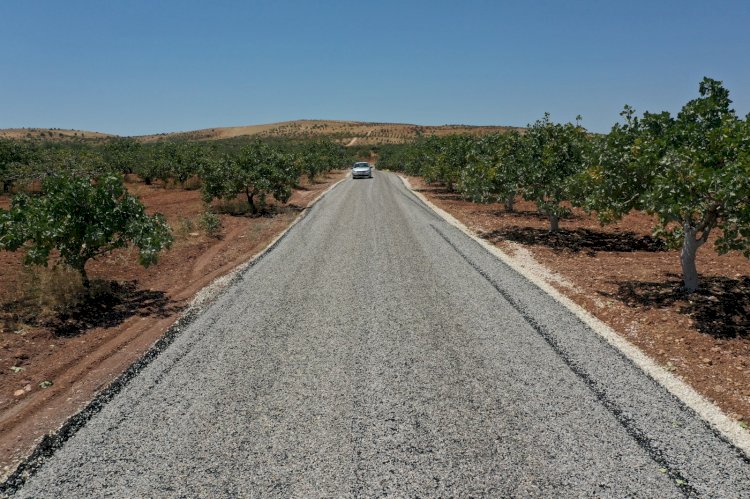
[378, 350]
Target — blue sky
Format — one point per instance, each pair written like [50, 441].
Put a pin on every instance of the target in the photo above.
[149, 66]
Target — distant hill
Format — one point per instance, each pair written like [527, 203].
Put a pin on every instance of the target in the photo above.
[51, 134]
[346, 132]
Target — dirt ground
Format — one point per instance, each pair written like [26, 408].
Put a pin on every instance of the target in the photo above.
[632, 282]
[52, 362]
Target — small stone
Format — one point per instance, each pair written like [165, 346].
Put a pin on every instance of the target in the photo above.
[27, 388]
[194, 234]
[706, 360]
[18, 393]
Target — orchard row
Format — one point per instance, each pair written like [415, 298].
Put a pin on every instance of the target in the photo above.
[692, 171]
[72, 202]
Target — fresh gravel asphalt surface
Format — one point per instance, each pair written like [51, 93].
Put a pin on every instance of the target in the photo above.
[377, 351]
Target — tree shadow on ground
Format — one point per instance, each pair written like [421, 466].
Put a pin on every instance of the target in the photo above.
[576, 240]
[522, 214]
[110, 308]
[441, 192]
[436, 189]
[720, 308]
[243, 210]
[272, 211]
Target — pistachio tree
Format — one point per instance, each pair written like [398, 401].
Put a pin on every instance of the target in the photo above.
[448, 157]
[320, 156]
[258, 171]
[619, 166]
[492, 172]
[122, 154]
[554, 155]
[13, 156]
[187, 159]
[702, 180]
[692, 171]
[80, 219]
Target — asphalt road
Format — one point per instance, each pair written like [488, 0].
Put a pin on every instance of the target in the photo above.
[379, 351]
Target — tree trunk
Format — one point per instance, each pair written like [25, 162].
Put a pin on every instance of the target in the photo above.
[689, 250]
[554, 222]
[250, 195]
[84, 277]
[509, 202]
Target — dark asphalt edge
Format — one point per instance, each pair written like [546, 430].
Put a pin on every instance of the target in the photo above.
[421, 205]
[53, 441]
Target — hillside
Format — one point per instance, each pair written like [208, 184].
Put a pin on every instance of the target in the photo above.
[51, 134]
[347, 132]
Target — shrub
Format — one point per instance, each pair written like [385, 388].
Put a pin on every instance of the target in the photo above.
[210, 223]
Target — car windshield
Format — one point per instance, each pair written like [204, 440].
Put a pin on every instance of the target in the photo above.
[361, 165]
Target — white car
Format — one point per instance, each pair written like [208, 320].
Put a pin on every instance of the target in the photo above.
[362, 169]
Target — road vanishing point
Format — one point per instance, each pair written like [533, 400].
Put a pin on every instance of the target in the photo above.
[379, 351]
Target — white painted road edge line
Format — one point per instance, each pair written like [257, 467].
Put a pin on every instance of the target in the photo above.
[212, 290]
[730, 429]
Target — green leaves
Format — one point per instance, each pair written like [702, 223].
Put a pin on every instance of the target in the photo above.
[81, 219]
[691, 171]
[554, 157]
[14, 156]
[443, 159]
[123, 154]
[703, 178]
[258, 170]
[493, 168]
[318, 157]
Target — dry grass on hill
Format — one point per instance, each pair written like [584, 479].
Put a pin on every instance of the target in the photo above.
[51, 134]
[343, 131]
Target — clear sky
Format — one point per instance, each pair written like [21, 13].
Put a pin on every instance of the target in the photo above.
[149, 66]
